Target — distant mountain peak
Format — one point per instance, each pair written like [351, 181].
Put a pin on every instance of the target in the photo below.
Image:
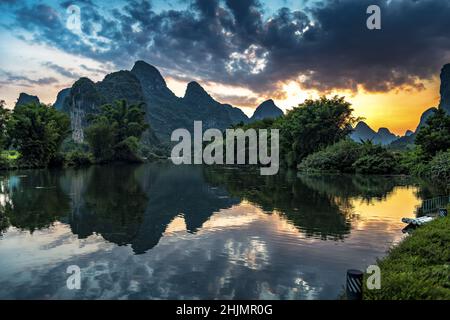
[25, 98]
[267, 109]
[193, 85]
[151, 79]
[363, 132]
[267, 104]
[362, 125]
[383, 130]
[149, 70]
[194, 91]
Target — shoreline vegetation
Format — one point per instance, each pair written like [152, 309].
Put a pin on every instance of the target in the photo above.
[38, 136]
[314, 138]
[418, 267]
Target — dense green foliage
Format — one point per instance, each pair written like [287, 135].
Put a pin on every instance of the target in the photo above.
[347, 156]
[435, 136]
[312, 126]
[77, 158]
[337, 158]
[9, 159]
[37, 131]
[418, 268]
[438, 169]
[39, 135]
[375, 159]
[412, 161]
[4, 119]
[114, 133]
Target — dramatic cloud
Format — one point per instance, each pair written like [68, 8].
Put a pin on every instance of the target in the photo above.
[61, 70]
[7, 78]
[325, 46]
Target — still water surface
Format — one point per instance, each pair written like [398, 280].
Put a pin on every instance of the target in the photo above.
[190, 232]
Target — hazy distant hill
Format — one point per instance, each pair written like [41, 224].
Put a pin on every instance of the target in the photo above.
[406, 140]
[363, 132]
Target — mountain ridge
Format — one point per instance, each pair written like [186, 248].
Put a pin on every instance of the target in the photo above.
[165, 112]
[363, 132]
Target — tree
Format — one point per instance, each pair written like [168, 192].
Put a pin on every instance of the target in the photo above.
[435, 136]
[113, 133]
[100, 138]
[4, 120]
[37, 131]
[375, 159]
[312, 126]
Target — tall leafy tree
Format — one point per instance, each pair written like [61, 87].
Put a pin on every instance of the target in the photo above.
[114, 132]
[4, 120]
[435, 136]
[312, 126]
[37, 131]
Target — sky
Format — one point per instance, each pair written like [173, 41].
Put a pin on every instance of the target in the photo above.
[241, 51]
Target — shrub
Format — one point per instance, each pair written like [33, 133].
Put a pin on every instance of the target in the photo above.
[127, 150]
[78, 158]
[338, 157]
[438, 169]
[70, 145]
[412, 161]
[9, 159]
[375, 159]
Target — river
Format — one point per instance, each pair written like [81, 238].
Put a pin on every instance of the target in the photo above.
[159, 231]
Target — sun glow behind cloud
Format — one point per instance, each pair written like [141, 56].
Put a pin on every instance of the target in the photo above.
[398, 110]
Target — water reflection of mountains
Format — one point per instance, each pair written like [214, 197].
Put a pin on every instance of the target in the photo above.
[134, 204]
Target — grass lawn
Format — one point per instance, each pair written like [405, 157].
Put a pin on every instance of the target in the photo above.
[419, 267]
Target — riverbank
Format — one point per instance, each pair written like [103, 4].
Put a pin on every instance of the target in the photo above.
[10, 160]
[419, 267]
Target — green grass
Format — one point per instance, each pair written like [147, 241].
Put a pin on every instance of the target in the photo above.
[419, 267]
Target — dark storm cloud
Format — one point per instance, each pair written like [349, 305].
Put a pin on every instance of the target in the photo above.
[233, 42]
